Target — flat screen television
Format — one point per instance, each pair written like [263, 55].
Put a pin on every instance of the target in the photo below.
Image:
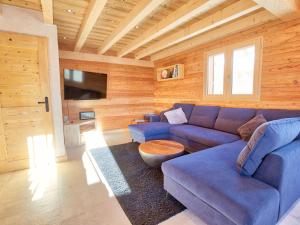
[83, 85]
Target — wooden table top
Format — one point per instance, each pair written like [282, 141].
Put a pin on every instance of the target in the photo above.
[161, 147]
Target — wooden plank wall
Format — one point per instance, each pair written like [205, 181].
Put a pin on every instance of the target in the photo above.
[130, 93]
[280, 81]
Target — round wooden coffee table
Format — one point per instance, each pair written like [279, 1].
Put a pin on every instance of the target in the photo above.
[155, 152]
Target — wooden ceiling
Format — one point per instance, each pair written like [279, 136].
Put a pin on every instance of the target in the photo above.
[28, 4]
[142, 28]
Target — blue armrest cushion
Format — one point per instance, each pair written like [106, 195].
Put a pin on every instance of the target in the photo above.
[281, 169]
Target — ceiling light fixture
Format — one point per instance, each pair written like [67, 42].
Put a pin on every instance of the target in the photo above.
[69, 10]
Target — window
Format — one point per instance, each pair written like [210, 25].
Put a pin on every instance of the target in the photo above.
[77, 76]
[73, 75]
[67, 74]
[233, 72]
[243, 62]
[216, 70]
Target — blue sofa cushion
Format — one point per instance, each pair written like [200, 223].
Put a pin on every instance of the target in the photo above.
[191, 146]
[267, 138]
[187, 108]
[151, 129]
[163, 118]
[276, 114]
[204, 116]
[230, 119]
[203, 135]
[281, 170]
[211, 176]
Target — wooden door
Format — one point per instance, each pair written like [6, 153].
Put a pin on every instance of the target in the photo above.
[25, 125]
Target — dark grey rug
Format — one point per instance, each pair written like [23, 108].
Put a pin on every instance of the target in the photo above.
[138, 187]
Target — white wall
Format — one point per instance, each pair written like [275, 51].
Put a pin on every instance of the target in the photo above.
[27, 21]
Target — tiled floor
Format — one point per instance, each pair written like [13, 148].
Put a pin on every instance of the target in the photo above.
[188, 218]
[71, 193]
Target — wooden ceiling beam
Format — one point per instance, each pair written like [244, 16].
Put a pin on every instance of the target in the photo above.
[281, 8]
[91, 16]
[103, 58]
[225, 15]
[182, 15]
[47, 9]
[240, 25]
[140, 12]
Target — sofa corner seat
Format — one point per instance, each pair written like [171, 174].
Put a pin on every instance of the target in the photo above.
[220, 198]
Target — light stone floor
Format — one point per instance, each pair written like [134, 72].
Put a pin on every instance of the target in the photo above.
[68, 193]
[71, 193]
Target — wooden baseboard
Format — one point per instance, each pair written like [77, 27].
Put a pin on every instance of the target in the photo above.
[12, 166]
[17, 165]
[61, 158]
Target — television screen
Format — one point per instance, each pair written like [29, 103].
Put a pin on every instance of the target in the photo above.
[82, 85]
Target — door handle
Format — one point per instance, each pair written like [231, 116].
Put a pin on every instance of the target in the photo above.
[46, 102]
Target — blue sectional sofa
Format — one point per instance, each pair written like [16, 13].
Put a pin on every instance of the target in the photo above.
[208, 182]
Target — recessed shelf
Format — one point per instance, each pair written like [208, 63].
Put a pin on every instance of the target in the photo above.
[173, 72]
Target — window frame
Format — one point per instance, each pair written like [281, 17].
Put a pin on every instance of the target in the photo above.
[228, 71]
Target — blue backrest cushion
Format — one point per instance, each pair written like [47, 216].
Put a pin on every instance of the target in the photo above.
[204, 116]
[276, 114]
[230, 119]
[267, 138]
[163, 118]
[187, 108]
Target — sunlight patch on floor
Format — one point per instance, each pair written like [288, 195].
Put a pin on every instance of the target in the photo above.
[42, 165]
[91, 175]
[95, 139]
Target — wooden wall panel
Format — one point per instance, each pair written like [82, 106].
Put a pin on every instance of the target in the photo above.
[280, 81]
[129, 95]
